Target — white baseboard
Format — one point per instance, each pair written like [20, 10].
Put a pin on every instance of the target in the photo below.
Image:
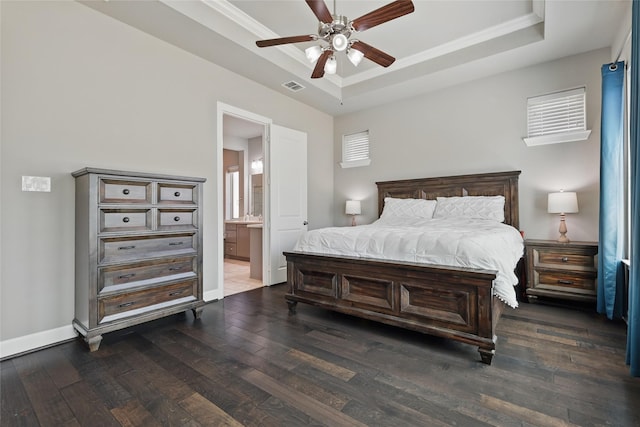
[35, 341]
[214, 295]
[51, 337]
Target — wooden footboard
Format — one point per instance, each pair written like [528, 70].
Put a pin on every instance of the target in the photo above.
[455, 303]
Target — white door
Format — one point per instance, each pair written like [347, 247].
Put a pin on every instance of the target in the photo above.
[288, 198]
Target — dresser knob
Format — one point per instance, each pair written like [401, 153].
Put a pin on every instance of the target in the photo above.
[177, 194]
[125, 191]
[125, 219]
[564, 259]
[176, 218]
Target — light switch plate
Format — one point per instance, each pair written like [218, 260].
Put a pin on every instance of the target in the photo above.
[36, 183]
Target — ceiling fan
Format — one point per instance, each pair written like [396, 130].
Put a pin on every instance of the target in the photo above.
[336, 30]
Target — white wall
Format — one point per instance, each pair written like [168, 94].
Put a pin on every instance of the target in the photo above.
[81, 89]
[477, 127]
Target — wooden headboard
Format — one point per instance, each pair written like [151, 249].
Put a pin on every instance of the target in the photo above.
[484, 184]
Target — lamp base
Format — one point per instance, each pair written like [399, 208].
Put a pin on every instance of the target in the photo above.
[563, 231]
[353, 220]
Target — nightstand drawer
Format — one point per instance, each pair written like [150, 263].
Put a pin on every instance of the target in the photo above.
[583, 283]
[563, 259]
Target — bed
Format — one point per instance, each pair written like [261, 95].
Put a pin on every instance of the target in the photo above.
[455, 302]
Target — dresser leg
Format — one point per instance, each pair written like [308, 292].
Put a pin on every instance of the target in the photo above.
[197, 312]
[93, 342]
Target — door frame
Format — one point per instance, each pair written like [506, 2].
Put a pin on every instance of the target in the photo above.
[222, 110]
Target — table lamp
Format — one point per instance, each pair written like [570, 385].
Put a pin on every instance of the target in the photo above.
[353, 208]
[563, 202]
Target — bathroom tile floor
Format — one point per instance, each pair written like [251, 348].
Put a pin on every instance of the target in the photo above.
[236, 277]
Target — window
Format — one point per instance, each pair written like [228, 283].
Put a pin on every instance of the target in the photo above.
[557, 117]
[355, 150]
[233, 193]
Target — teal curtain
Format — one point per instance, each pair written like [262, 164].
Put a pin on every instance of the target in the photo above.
[633, 329]
[612, 196]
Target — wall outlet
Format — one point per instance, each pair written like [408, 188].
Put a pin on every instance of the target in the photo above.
[36, 183]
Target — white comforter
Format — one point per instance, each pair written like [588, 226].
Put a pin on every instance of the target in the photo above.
[473, 243]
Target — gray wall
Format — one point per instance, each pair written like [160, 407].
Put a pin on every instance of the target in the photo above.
[81, 89]
[478, 127]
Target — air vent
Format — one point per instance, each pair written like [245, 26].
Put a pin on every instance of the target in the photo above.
[293, 86]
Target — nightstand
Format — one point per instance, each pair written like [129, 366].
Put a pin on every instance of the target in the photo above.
[562, 270]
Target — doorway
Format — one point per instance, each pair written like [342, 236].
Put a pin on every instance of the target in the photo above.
[242, 151]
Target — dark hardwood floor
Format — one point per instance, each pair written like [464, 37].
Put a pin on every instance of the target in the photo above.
[248, 362]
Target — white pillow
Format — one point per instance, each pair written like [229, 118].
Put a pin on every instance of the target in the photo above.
[481, 207]
[408, 208]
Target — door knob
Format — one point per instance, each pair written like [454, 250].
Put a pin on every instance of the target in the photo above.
[305, 223]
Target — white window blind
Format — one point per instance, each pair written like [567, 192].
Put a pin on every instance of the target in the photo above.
[355, 149]
[557, 117]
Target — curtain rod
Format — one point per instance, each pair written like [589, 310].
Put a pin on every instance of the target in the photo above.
[613, 65]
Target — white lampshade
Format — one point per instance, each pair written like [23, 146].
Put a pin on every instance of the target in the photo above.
[340, 42]
[355, 56]
[562, 202]
[331, 66]
[313, 53]
[353, 207]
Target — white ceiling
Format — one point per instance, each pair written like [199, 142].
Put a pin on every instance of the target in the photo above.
[442, 43]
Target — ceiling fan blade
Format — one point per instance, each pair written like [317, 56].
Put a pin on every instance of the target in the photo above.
[381, 15]
[318, 71]
[373, 54]
[321, 10]
[285, 40]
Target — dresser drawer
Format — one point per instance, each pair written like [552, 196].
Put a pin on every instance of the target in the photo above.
[133, 303]
[124, 191]
[176, 193]
[124, 220]
[180, 219]
[118, 278]
[566, 281]
[558, 258]
[130, 248]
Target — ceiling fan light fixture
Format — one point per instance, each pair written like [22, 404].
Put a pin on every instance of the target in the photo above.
[335, 30]
[340, 42]
[313, 53]
[355, 56]
[331, 66]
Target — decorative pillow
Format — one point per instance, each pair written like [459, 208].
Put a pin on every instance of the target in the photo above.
[408, 208]
[481, 207]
